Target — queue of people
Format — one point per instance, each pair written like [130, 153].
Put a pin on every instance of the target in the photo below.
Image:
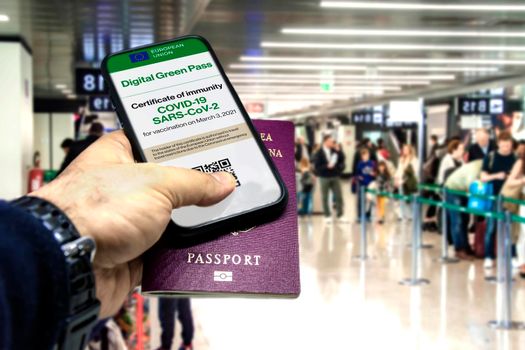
[489, 169]
[494, 167]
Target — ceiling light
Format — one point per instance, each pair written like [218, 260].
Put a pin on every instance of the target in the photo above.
[296, 67]
[293, 66]
[317, 81]
[66, 91]
[435, 69]
[391, 47]
[308, 97]
[369, 5]
[343, 76]
[4, 18]
[293, 59]
[61, 86]
[336, 89]
[71, 96]
[403, 32]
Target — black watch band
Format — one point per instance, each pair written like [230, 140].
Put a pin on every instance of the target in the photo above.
[78, 252]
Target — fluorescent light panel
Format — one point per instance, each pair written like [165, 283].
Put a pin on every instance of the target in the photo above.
[383, 5]
[309, 97]
[343, 76]
[337, 82]
[318, 88]
[435, 69]
[4, 17]
[353, 68]
[292, 59]
[297, 67]
[391, 47]
[403, 33]
[61, 86]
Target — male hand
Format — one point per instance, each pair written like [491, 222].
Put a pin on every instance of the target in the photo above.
[125, 206]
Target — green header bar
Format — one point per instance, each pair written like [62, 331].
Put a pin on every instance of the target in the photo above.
[155, 54]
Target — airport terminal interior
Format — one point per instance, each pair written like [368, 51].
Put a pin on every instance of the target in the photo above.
[404, 162]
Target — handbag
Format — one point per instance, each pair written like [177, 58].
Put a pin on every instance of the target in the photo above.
[482, 189]
[409, 181]
[513, 192]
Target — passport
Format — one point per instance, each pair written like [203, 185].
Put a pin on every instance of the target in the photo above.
[256, 261]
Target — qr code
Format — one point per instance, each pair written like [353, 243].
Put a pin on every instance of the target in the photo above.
[219, 165]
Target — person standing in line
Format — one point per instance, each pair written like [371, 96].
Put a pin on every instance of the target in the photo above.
[365, 143]
[381, 152]
[301, 149]
[365, 175]
[306, 181]
[517, 179]
[496, 167]
[460, 180]
[429, 176]
[520, 149]
[341, 158]
[458, 222]
[384, 184]
[95, 131]
[372, 150]
[408, 166]
[482, 147]
[167, 308]
[451, 161]
[66, 145]
[326, 167]
[434, 146]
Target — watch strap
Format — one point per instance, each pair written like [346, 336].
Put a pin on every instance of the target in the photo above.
[78, 251]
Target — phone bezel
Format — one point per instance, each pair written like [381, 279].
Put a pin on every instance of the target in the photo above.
[250, 217]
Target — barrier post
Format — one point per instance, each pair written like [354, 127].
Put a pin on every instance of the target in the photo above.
[445, 259]
[414, 280]
[362, 205]
[500, 228]
[504, 314]
[418, 218]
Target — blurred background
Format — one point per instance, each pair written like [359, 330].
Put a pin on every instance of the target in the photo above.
[373, 75]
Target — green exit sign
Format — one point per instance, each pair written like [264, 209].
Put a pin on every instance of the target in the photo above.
[327, 87]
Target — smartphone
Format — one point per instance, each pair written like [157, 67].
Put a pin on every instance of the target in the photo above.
[178, 108]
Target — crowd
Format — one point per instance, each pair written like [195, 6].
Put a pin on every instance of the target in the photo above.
[371, 168]
[486, 167]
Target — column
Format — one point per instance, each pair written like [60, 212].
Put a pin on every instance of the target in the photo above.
[16, 117]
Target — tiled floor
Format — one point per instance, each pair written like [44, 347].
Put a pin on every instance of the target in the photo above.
[349, 304]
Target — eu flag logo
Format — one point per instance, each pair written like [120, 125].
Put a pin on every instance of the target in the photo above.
[139, 56]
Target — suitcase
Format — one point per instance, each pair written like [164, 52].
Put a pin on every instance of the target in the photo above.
[479, 238]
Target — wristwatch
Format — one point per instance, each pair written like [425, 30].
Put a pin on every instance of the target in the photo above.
[78, 254]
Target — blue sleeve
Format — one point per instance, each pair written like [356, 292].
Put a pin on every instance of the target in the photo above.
[33, 282]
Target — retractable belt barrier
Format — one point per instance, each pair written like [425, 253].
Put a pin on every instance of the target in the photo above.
[414, 279]
[504, 242]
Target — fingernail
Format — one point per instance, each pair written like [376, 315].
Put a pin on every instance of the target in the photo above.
[224, 178]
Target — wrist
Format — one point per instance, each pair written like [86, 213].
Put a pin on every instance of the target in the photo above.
[83, 307]
[70, 211]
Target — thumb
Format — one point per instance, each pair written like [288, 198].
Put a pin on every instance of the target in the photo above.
[185, 187]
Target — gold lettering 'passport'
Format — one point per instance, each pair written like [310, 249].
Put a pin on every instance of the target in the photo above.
[256, 261]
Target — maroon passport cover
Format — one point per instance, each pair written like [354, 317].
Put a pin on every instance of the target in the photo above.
[261, 261]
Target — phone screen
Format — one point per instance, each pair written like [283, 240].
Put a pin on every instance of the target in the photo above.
[183, 114]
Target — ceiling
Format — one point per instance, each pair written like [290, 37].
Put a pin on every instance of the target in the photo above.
[355, 66]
